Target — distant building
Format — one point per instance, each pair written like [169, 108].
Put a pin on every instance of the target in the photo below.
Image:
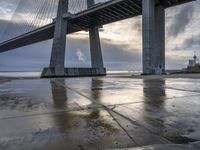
[193, 65]
[193, 62]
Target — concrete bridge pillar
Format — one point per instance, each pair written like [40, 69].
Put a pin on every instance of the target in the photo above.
[57, 61]
[159, 40]
[153, 24]
[95, 46]
[95, 50]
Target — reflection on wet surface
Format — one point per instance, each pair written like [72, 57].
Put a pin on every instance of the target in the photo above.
[155, 97]
[98, 113]
[59, 94]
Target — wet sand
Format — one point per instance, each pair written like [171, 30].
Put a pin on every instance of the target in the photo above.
[113, 112]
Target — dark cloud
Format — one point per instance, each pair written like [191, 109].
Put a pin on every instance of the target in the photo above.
[114, 55]
[192, 42]
[3, 24]
[10, 29]
[29, 15]
[30, 58]
[181, 20]
[37, 56]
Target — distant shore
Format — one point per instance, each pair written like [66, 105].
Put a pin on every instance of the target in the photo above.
[179, 75]
[126, 75]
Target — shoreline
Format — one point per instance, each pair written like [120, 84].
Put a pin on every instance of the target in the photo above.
[179, 75]
[4, 79]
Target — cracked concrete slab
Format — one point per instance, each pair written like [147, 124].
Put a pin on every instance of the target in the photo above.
[99, 113]
[194, 146]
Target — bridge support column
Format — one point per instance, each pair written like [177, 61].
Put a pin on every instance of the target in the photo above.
[159, 48]
[57, 61]
[95, 50]
[95, 47]
[153, 23]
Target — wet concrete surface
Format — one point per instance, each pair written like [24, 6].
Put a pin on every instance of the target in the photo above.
[100, 113]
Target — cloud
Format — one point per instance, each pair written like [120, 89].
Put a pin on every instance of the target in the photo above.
[126, 33]
[181, 20]
[10, 29]
[80, 56]
[7, 8]
[25, 15]
[37, 56]
[192, 43]
[121, 43]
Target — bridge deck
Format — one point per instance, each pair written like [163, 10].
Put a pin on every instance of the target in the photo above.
[104, 13]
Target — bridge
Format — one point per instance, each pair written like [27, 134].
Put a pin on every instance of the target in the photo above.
[77, 15]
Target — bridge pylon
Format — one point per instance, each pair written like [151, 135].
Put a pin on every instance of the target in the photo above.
[57, 61]
[95, 46]
[153, 34]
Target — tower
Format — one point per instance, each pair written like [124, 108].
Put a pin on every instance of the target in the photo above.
[195, 58]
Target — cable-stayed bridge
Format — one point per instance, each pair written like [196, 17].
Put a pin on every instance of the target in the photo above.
[38, 20]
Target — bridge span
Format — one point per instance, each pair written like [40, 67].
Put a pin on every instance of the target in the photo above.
[91, 18]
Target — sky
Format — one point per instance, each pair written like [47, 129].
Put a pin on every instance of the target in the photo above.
[121, 42]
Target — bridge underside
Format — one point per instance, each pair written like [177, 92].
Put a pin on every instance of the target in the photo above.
[99, 15]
